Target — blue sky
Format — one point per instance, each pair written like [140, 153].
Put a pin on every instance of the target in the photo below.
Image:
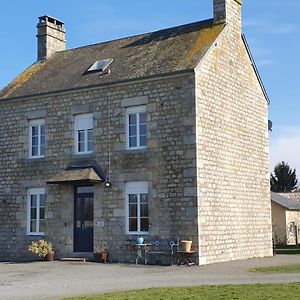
[272, 29]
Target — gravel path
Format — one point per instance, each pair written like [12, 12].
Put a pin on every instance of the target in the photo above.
[55, 280]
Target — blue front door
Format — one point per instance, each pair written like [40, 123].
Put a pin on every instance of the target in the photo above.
[84, 219]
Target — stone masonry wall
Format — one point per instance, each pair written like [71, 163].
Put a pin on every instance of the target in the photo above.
[168, 164]
[232, 154]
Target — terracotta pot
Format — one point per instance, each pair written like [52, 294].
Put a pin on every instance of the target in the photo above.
[186, 246]
[50, 256]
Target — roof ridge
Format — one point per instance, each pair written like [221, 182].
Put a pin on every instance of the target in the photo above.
[136, 35]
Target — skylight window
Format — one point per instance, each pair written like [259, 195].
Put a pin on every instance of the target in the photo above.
[100, 66]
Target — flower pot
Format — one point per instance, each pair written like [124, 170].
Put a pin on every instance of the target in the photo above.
[50, 256]
[139, 240]
[185, 246]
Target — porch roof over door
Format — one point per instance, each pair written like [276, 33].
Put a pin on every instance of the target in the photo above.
[80, 175]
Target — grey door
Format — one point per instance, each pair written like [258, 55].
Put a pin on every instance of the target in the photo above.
[84, 219]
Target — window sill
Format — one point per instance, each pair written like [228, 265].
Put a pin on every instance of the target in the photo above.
[137, 233]
[41, 234]
[36, 157]
[137, 150]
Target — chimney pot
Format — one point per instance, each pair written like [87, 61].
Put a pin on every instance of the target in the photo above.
[51, 37]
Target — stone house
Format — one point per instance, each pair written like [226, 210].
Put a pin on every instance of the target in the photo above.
[163, 135]
[285, 218]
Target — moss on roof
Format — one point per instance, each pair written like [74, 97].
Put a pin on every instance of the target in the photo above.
[151, 54]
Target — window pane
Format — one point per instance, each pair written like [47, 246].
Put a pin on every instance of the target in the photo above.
[132, 130]
[144, 210]
[144, 198]
[85, 189]
[143, 129]
[34, 151]
[88, 209]
[34, 141]
[80, 136]
[42, 140]
[34, 130]
[132, 119]
[42, 213]
[132, 224]
[132, 198]
[143, 141]
[81, 147]
[33, 200]
[42, 200]
[33, 213]
[132, 142]
[42, 130]
[143, 118]
[144, 224]
[33, 226]
[132, 210]
[90, 139]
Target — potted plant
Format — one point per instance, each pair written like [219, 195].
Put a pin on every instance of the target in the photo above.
[101, 255]
[43, 249]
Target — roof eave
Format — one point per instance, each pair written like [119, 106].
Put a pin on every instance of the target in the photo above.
[118, 82]
[255, 68]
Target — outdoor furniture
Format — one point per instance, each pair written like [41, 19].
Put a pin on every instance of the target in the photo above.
[185, 258]
[158, 252]
[142, 251]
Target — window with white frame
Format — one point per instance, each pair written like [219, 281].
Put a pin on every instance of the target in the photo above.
[137, 207]
[84, 133]
[136, 127]
[36, 201]
[37, 138]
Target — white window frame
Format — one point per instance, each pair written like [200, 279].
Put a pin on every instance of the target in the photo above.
[39, 123]
[85, 129]
[38, 192]
[138, 187]
[135, 110]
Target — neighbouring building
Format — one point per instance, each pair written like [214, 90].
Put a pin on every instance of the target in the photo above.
[285, 218]
[163, 134]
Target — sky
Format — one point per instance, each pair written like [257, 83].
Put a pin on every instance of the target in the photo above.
[272, 29]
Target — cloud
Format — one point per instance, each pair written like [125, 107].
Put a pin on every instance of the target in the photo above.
[285, 146]
[264, 62]
[268, 27]
[283, 29]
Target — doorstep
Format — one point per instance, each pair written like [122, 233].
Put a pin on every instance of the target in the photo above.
[76, 259]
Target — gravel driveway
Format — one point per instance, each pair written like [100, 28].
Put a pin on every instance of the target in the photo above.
[55, 280]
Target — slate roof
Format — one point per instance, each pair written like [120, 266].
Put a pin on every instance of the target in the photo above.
[285, 201]
[152, 54]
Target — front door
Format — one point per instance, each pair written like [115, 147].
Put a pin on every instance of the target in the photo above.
[84, 219]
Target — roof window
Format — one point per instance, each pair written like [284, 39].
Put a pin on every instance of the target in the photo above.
[100, 66]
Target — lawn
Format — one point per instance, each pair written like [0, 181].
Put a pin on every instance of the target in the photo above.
[229, 292]
[278, 269]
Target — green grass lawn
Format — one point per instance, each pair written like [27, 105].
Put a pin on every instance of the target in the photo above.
[229, 292]
[279, 269]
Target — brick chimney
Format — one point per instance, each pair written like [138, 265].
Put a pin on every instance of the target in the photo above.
[228, 11]
[51, 37]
